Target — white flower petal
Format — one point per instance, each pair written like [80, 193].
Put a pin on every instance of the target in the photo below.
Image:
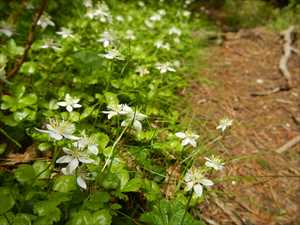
[73, 165]
[93, 149]
[198, 189]
[206, 182]
[55, 135]
[63, 104]
[69, 108]
[85, 159]
[81, 182]
[64, 159]
[180, 135]
[185, 142]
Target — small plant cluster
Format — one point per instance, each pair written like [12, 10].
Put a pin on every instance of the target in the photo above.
[95, 99]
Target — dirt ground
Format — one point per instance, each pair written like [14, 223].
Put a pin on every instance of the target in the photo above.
[259, 186]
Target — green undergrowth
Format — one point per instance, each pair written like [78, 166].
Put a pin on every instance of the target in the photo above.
[91, 122]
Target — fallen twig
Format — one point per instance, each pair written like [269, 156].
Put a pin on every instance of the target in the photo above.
[289, 144]
[30, 38]
[287, 52]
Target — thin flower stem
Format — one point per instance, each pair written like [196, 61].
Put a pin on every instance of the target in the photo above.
[111, 156]
[10, 138]
[187, 207]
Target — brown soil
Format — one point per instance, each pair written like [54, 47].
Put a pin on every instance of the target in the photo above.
[260, 186]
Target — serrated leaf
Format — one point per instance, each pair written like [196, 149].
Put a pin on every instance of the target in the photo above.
[81, 218]
[102, 217]
[96, 201]
[22, 219]
[65, 184]
[133, 185]
[6, 200]
[25, 174]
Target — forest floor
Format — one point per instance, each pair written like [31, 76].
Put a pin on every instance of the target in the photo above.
[265, 185]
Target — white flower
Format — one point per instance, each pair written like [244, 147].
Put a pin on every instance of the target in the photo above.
[59, 130]
[174, 30]
[106, 39]
[141, 4]
[195, 180]
[6, 28]
[149, 24]
[130, 35]
[188, 138]
[161, 45]
[101, 12]
[224, 123]
[49, 43]
[120, 18]
[165, 67]
[73, 158]
[88, 3]
[162, 12]
[115, 110]
[214, 163]
[70, 103]
[79, 179]
[45, 21]
[65, 32]
[113, 54]
[87, 142]
[186, 13]
[155, 17]
[133, 117]
[142, 70]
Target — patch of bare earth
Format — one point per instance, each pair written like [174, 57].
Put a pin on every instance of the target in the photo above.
[265, 185]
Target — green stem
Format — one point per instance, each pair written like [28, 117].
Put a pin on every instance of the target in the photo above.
[10, 138]
[187, 207]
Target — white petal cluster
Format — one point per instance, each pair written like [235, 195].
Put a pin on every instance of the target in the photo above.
[188, 137]
[165, 67]
[65, 32]
[174, 31]
[70, 103]
[59, 130]
[45, 21]
[112, 54]
[87, 142]
[6, 28]
[49, 43]
[214, 162]
[142, 70]
[106, 39]
[195, 180]
[224, 124]
[130, 35]
[100, 12]
[161, 45]
[131, 116]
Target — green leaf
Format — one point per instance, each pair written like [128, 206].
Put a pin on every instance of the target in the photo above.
[19, 90]
[87, 111]
[22, 219]
[20, 115]
[96, 201]
[28, 100]
[28, 68]
[111, 99]
[65, 184]
[133, 185]
[25, 174]
[2, 148]
[8, 102]
[44, 146]
[169, 212]
[81, 218]
[42, 169]
[102, 217]
[13, 49]
[102, 140]
[6, 200]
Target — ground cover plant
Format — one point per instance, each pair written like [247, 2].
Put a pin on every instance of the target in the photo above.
[89, 122]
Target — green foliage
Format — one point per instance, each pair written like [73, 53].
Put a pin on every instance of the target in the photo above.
[169, 212]
[100, 116]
